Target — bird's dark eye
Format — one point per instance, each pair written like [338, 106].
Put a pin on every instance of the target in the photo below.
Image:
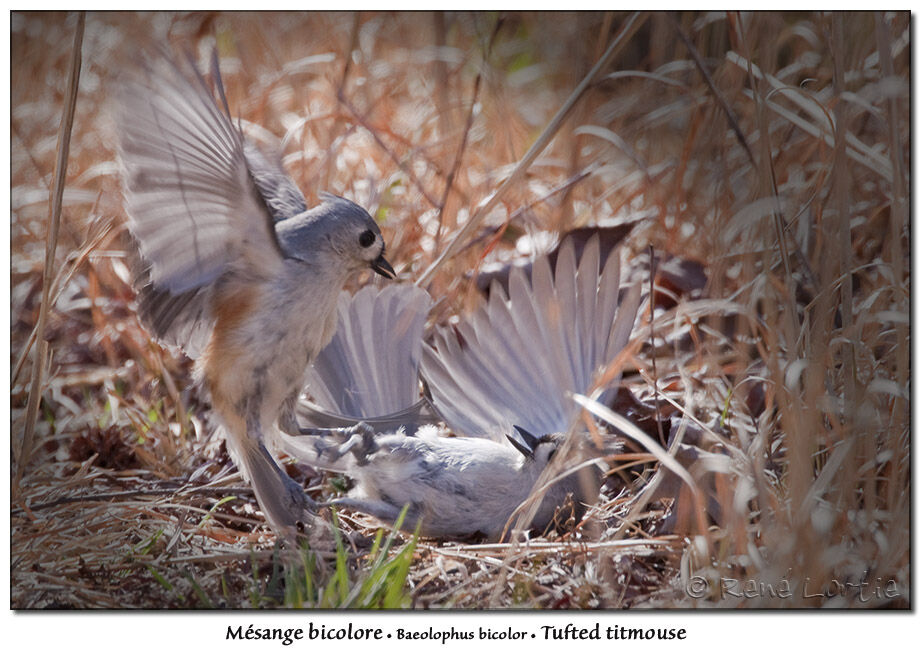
[366, 238]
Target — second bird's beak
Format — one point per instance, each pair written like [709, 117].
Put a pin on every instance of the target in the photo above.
[383, 268]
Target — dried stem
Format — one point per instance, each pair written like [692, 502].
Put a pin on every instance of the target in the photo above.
[54, 225]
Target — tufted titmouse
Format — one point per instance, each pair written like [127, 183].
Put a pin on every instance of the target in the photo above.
[455, 486]
[515, 362]
[239, 272]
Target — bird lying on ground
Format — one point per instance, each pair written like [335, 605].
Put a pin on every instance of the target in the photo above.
[517, 361]
[453, 486]
[239, 272]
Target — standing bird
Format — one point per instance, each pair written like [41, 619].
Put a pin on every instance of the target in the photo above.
[239, 272]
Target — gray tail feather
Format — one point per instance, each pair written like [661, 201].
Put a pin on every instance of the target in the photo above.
[519, 356]
[371, 367]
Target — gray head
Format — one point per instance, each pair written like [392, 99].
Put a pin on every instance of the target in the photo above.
[335, 232]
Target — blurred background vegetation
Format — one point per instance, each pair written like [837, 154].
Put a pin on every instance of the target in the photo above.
[763, 157]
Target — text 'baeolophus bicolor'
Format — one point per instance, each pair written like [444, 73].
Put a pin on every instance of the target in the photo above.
[238, 271]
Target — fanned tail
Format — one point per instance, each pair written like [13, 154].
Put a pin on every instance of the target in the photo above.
[370, 370]
[514, 361]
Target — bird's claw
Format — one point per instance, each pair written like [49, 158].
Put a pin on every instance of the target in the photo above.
[358, 440]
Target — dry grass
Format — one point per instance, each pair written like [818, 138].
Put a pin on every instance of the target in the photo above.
[768, 151]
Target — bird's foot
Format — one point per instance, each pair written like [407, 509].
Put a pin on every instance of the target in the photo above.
[358, 440]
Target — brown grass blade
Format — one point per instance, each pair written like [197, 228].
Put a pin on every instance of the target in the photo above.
[54, 225]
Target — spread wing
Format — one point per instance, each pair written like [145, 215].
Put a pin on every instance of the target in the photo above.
[514, 360]
[192, 204]
[370, 370]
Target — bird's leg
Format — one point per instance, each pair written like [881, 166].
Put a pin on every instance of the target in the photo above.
[288, 423]
[359, 439]
[361, 429]
[295, 498]
[381, 510]
[281, 499]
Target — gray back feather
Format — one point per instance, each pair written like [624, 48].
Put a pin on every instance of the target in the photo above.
[282, 197]
[519, 356]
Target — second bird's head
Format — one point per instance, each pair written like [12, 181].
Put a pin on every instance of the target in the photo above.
[335, 232]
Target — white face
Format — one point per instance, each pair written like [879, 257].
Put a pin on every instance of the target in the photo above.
[544, 450]
[365, 245]
[368, 244]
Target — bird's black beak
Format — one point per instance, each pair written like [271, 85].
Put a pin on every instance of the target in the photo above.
[383, 268]
[529, 439]
[521, 448]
